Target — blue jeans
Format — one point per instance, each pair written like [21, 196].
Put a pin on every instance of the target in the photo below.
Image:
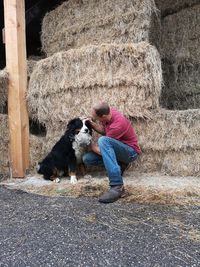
[112, 152]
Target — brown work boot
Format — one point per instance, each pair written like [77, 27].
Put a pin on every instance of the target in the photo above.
[113, 194]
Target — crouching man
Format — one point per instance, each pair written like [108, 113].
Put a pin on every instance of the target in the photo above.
[115, 149]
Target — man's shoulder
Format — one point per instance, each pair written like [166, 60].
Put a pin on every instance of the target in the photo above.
[116, 112]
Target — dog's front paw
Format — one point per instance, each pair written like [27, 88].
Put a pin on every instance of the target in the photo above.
[73, 179]
[87, 176]
[57, 180]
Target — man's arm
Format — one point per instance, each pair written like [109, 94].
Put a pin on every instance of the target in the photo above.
[95, 148]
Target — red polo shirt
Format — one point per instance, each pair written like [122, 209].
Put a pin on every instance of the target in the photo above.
[120, 128]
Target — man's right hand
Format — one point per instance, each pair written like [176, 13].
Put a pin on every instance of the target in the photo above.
[95, 148]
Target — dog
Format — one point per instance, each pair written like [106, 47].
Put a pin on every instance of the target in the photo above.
[66, 154]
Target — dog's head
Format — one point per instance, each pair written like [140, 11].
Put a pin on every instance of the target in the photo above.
[77, 125]
[80, 130]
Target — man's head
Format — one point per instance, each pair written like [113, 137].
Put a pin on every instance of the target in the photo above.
[101, 112]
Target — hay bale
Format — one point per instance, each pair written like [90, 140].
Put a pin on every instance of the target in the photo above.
[77, 23]
[170, 143]
[180, 33]
[182, 86]
[3, 88]
[175, 163]
[173, 6]
[180, 50]
[170, 130]
[67, 84]
[31, 63]
[4, 142]
[4, 81]
[37, 150]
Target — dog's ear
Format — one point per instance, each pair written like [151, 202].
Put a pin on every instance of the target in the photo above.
[72, 123]
[89, 126]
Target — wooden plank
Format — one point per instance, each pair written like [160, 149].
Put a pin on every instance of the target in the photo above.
[14, 14]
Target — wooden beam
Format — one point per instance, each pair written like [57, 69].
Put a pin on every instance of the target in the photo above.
[16, 65]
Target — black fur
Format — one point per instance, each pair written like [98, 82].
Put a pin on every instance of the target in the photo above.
[62, 156]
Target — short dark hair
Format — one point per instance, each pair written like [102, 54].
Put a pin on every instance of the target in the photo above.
[102, 109]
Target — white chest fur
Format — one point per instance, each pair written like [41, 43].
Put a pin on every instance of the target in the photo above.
[78, 151]
[82, 140]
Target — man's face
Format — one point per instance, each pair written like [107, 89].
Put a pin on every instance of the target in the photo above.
[98, 118]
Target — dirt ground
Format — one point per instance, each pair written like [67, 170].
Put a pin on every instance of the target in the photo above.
[38, 230]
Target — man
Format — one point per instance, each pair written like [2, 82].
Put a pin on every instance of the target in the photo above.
[115, 149]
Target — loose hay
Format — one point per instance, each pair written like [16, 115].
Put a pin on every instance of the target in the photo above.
[67, 84]
[140, 193]
[77, 23]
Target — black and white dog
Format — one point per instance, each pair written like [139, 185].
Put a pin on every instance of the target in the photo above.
[67, 153]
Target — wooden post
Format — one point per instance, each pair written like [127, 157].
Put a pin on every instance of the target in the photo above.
[14, 14]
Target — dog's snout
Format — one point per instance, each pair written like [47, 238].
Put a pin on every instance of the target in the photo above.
[86, 130]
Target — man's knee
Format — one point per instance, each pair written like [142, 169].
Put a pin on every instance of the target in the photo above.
[102, 140]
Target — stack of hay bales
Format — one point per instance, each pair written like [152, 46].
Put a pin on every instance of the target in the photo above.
[95, 53]
[77, 23]
[81, 70]
[180, 51]
[36, 147]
